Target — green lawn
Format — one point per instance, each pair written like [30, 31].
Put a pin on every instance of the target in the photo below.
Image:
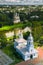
[18, 25]
[36, 44]
[11, 52]
[41, 37]
[6, 28]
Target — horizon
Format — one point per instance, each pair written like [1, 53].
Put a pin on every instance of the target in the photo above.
[21, 2]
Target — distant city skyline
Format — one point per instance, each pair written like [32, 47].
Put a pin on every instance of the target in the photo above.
[21, 2]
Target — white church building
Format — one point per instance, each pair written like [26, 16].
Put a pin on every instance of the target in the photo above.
[16, 18]
[25, 47]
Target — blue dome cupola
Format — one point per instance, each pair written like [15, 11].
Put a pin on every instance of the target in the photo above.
[30, 39]
[30, 42]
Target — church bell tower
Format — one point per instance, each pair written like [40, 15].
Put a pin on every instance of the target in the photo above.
[30, 45]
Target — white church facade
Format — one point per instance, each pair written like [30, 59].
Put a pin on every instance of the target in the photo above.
[25, 47]
[16, 18]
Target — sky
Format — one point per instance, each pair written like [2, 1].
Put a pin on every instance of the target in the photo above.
[22, 2]
[18, 0]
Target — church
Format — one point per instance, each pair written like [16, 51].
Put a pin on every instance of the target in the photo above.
[25, 47]
[16, 18]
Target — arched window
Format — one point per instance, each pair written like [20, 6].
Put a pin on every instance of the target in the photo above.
[29, 43]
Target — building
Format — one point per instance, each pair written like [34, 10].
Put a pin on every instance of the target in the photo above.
[26, 29]
[16, 18]
[25, 47]
[9, 34]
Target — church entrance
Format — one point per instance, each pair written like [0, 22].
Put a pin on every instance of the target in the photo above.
[31, 56]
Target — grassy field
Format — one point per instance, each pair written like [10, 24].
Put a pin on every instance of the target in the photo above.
[11, 52]
[6, 28]
[18, 25]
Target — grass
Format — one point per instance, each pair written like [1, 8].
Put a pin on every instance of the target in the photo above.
[18, 25]
[36, 44]
[6, 28]
[42, 47]
[11, 52]
[41, 37]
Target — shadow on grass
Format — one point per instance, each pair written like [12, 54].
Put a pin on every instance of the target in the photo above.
[10, 51]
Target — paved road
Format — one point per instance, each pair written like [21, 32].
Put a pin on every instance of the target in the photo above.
[4, 59]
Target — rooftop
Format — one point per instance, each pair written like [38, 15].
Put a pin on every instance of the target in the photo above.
[24, 50]
[20, 40]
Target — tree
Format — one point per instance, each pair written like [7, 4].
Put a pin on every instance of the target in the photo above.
[6, 19]
[3, 40]
[41, 42]
[37, 30]
[23, 16]
[25, 35]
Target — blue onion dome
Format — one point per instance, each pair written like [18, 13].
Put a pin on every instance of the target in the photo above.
[30, 37]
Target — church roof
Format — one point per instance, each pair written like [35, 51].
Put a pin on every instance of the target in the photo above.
[27, 29]
[20, 40]
[24, 50]
[30, 36]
